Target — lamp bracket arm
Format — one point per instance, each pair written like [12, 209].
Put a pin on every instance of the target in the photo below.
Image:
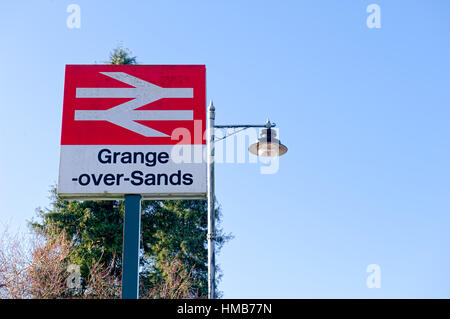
[239, 128]
[244, 125]
[235, 131]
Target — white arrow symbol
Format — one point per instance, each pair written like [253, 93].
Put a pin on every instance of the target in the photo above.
[124, 114]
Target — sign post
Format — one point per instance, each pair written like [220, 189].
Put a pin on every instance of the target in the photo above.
[131, 241]
[132, 132]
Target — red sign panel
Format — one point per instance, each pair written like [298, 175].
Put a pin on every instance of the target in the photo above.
[133, 104]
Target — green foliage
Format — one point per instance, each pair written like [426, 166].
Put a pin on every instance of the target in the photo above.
[176, 230]
[94, 226]
[121, 56]
[170, 230]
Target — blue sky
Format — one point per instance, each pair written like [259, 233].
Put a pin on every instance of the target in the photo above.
[364, 112]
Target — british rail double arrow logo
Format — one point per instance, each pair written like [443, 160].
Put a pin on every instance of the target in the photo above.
[125, 115]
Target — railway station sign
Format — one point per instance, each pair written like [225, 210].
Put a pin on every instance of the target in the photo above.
[133, 129]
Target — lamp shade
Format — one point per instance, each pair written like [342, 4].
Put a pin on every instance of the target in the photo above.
[268, 144]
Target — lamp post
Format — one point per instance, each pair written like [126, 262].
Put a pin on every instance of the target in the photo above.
[266, 145]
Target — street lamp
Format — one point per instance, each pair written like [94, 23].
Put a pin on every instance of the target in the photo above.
[266, 145]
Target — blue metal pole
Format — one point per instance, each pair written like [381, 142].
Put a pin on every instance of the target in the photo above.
[131, 241]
